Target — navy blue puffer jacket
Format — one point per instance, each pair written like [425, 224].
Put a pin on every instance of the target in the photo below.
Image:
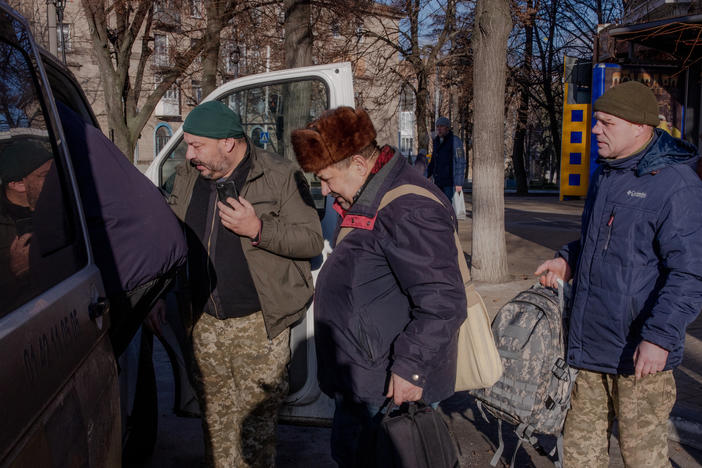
[390, 297]
[638, 265]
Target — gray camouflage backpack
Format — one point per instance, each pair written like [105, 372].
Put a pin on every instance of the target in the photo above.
[534, 392]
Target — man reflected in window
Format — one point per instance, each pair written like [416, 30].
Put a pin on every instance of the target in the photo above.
[24, 165]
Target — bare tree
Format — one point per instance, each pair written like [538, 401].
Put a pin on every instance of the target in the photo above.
[123, 44]
[491, 30]
[519, 149]
[420, 46]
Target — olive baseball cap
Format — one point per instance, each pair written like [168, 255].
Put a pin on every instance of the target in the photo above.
[632, 101]
[213, 119]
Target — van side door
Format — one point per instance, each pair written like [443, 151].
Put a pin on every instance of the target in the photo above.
[58, 378]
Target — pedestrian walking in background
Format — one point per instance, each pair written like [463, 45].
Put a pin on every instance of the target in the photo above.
[637, 276]
[388, 304]
[250, 279]
[448, 160]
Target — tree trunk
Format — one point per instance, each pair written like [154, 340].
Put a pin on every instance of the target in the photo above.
[519, 150]
[298, 53]
[490, 32]
[298, 33]
[421, 110]
[210, 59]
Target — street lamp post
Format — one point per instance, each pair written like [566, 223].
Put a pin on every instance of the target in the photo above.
[60, 5]
[234, 57]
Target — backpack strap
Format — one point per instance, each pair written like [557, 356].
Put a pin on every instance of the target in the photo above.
[411, 189]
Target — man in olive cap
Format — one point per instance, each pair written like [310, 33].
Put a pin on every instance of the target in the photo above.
[249, 275]
[637, 276]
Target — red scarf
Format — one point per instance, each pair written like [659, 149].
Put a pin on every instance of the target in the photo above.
[386, 154]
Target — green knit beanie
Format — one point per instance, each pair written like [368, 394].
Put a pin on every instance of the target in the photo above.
[632, 101]
[213, 119]
[20, 158]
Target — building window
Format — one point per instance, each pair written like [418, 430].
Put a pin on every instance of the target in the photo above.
[63, 32]
[407, 100]
[196, 8]
[196, 97]
[169, 105]
[166, 13]
[161, 52]
[162, 134]
[198, 59]
[406, 145]
[256, 16]
[360, 32]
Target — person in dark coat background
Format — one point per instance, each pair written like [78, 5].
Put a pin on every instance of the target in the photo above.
[388, 304]
[637, 276]
[448, 161]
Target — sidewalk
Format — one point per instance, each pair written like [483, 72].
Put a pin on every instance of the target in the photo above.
[536, 227]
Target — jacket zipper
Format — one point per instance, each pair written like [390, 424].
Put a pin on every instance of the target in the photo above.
[209, 246]
[610, 226]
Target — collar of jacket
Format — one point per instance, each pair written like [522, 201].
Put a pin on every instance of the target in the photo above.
[363, 213]
[663, 150]
[256, 167]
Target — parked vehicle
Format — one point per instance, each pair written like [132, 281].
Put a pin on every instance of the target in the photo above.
[58, 379]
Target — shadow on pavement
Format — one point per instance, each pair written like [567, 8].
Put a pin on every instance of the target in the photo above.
[477, 449]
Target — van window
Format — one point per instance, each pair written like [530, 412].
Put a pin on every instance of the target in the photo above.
[40, 237]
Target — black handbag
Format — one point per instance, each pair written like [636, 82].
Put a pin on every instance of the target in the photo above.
[414, 436]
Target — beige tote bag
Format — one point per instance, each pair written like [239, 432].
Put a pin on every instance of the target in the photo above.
[478, 364]
[478, 361]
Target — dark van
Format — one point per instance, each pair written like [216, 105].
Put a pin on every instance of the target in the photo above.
[59, 392]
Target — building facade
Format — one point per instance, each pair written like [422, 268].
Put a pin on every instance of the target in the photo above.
[251, 43]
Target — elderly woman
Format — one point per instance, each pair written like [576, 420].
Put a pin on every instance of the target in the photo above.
[389, 299]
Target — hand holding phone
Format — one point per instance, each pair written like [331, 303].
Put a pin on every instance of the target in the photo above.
[227, 189]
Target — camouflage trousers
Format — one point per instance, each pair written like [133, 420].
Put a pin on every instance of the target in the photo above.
[641, 407]
[241, 378]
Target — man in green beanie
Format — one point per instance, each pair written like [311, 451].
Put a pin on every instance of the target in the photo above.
[252, 228]
[637, 277]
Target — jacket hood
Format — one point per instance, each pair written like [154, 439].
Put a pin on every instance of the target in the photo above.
[663, 150]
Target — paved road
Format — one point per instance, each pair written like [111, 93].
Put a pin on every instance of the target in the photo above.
[535, 227]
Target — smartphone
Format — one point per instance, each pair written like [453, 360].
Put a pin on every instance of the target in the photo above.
[227, 189]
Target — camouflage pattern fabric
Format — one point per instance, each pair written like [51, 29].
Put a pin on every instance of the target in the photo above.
[241, 378]
[642, 408]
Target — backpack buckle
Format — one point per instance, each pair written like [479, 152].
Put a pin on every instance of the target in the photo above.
[560, 369]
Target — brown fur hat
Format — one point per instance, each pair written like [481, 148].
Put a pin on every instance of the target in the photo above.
[336, 135]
